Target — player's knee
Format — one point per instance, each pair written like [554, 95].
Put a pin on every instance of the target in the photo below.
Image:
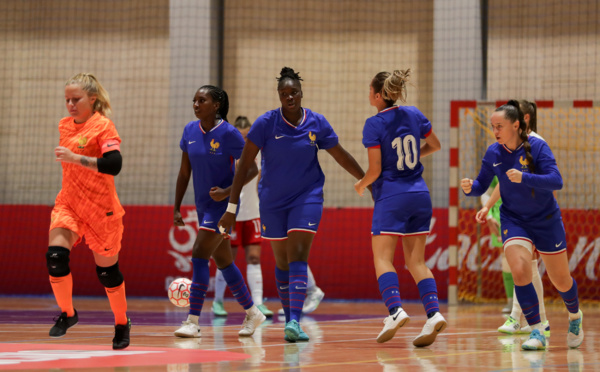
[253, 259]
[111, 276]
[57, 261]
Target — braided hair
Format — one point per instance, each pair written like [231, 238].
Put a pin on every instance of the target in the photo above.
[288, 73]
[531, 109]
[391, 86]
[218, 95]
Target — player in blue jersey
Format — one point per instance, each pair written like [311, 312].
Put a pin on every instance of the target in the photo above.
[290, 188]
[527, 172]
[210, 146]
[402, 202]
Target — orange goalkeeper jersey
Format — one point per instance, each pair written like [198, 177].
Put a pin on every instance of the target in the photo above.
[90, 194]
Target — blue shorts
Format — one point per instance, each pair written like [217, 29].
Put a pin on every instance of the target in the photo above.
[403, 214]
[548, 235]
[208, 219]
[276, 224]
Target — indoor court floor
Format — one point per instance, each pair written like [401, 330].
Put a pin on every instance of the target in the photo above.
[342, 338]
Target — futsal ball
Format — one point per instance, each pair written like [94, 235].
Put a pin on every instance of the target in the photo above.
[179, 292]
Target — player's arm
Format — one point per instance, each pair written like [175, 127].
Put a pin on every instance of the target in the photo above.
[183, 179]
[482, 215]
[432, 144]
[219, 194]
[109, 163]
[373, 172]
[347, 161]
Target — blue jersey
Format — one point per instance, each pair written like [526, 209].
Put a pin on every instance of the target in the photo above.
[212, 156]
[518, 201]
[398, 131]
[291, 174]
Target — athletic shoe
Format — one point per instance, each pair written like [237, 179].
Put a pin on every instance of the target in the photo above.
[511, 326]
[189, 328]
[575, 335]
[253, 319]
[508, 308]
[302, 337]
[312, 301]
[121, 339]
[294, 333]
[218, 309]
[63, 322]
[266, 312]
[546, 325]
[536, 341]
[391, 324]
[433, 326]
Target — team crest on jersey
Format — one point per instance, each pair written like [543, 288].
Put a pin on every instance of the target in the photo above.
[264, 227]
[524, 163]
[505, 231]
[313, 138]
[82, 141]
[214, 146]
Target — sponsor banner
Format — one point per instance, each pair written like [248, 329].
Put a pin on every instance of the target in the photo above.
[154, 252]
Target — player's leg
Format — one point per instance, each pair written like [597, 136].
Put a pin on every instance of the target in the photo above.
[314, 294]
[414, 256]
[218, 307]
[383, 247]
[539, 289]
[251, 241]
[557, 266]
[60, 242]
[509, 284]
[235, 282]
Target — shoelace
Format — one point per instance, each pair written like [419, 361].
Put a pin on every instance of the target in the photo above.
[574, 326]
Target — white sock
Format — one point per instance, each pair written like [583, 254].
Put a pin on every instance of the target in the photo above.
[311, 285]
[255, 283]
[516, 312]
[539, 289]
[220, 285]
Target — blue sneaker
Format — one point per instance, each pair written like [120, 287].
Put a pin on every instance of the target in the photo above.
[536, 341]
[302, 337]
[293, 330]
[575, 335]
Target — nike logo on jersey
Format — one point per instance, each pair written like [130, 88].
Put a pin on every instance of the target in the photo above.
[312, 224]
[278, 137]
[558, 245]
[190, 142]
[497, 164]
[208, 221]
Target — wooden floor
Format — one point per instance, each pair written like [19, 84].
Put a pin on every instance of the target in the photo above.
[342, 338]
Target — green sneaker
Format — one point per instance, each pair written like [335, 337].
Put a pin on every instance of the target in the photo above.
[292, 331]
[575, 335]
[218, 309]
[302, 337]
[266, 312]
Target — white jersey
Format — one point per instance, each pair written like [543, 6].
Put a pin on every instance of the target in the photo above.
[534, 134]
[249, 198]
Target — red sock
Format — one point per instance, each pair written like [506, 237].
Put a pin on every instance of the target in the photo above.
[118, 303]
[63, 292]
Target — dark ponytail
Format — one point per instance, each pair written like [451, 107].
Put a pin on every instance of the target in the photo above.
[218, 95]
[531, 109]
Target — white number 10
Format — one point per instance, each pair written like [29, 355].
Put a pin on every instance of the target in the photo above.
[407, 151]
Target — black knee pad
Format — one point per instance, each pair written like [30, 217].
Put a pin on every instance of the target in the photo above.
[57, 261]
[110, 277]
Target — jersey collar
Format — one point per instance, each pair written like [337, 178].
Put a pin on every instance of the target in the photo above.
[515, 150]
[213, 128]
[290, 124]
[388, 109]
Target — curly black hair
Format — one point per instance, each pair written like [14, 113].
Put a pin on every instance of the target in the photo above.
[288, 73]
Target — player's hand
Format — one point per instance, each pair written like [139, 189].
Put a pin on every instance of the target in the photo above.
[226, 223]
[177, 220]
[359, 188]
[481, 216]
[64, 154]
[218, 194]
[493, 226]
[467, 185]
[514, 175]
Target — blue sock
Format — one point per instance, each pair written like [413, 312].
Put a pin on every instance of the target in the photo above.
[282, 279]
[200, 279]
[390, 290]
[429, 296]
[571, 298]
[528, 300]
[298, 280]
[237, 286]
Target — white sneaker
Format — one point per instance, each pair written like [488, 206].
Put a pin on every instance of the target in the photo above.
[546, 325]
[254, 318]
[391, 324]
[575, 335]
[433, 326]
[536, 341]
[511, 326]
[312, 301]
[189, 328]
